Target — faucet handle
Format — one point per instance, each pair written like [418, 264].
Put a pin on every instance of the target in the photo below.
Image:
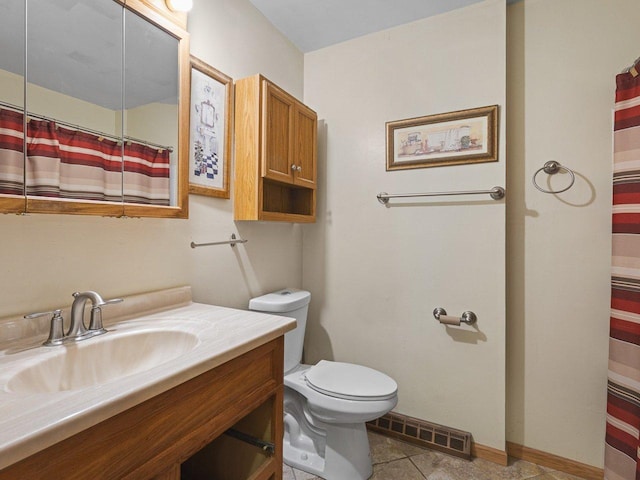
[96, 314]
[56, 330]
[110, 302]
[42, 314]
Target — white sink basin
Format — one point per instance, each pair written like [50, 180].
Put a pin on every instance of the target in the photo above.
[101, 359]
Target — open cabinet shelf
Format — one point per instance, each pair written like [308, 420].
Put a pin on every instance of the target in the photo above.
[229, 458]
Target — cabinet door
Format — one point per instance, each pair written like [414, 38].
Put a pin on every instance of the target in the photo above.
[305, 146]
[277, 130]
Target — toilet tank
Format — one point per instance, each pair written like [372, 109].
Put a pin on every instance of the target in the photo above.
[288, 302]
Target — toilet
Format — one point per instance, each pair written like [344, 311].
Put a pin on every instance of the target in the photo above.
[325, 405]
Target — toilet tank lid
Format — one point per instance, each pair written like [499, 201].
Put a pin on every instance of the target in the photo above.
[285, 300]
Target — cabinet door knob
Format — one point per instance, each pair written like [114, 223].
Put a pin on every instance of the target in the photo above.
[299, 168]
[293, 168]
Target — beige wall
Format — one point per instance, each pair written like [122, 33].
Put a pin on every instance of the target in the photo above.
[561, 64]
[562, 60]
[377, 273]
[154, 122]
[45, 258]
[12, 86]
[235, 38]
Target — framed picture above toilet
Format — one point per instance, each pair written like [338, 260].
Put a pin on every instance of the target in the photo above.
[453, 138]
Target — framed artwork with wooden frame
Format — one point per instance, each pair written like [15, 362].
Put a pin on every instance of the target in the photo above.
[453, 138]
[210, 126]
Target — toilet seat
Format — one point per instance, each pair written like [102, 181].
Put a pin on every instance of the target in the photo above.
[350, 382]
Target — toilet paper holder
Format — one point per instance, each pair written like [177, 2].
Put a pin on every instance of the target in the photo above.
[467, 317]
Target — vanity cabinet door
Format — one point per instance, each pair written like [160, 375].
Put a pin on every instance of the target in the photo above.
[278, 110]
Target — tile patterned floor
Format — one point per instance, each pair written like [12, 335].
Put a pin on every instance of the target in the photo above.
[395, 460]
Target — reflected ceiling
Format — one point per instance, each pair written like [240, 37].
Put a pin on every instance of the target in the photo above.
[92, 68]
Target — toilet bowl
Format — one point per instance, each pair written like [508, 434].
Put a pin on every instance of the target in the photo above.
[325, 405]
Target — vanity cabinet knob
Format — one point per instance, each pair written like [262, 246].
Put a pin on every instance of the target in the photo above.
[299, 168]
[56, 330]
[293, 168]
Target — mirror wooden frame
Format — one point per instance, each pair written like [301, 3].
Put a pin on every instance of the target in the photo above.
[12, 204]
[152, 12]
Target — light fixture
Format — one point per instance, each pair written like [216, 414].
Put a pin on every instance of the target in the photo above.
[179, 5]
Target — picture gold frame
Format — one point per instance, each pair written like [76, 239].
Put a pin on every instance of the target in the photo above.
[453, 138]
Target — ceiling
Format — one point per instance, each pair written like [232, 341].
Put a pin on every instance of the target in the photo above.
[315, 24]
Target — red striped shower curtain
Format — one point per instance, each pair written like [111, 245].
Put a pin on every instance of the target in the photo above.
[622, 448]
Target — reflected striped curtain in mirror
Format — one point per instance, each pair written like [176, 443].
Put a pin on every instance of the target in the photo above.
[11, 156]
[74, 164]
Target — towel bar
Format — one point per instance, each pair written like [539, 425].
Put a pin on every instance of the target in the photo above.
[496, 193]
[231, 242]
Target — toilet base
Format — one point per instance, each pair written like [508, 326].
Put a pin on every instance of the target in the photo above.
[339, 451]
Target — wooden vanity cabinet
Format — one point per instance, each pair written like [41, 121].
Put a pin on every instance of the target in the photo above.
[275, 154]
[181, 430]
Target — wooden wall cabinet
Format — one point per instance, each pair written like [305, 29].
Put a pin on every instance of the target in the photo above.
[275, 154]
[179, 434]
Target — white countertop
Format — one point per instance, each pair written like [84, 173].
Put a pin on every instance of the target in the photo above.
[30, 422]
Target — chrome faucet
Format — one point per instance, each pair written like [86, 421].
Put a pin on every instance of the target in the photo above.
[77, 330]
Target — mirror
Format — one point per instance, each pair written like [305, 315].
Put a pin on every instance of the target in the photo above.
[151, 97]
[73, 100]
[105, 94]
[12, 20]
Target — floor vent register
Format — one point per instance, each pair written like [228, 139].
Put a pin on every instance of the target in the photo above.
[425, 434]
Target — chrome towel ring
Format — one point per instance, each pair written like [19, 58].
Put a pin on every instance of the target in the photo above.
[551, 168]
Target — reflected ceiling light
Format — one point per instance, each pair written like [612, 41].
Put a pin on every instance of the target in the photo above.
[179, 5]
